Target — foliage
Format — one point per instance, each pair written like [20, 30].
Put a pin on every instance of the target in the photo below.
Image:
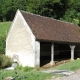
[9, 7]
[66, 10]
[73, 65]
[4, 61]
[25, 69]
[46, 8]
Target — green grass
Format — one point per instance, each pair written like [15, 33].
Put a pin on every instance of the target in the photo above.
[34, 75]
[4, 28]
[37, 75]
[31, 75]
[73, 66]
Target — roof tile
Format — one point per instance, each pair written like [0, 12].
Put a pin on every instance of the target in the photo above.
[49, 29]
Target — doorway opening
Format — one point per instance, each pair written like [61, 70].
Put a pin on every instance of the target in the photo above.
[45, 53]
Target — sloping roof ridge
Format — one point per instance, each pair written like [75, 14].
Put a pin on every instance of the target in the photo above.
[47, 17]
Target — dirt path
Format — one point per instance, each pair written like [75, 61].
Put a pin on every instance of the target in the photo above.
[75, 76]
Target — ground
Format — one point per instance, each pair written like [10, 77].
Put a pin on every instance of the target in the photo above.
[74, 76]
[57, 62]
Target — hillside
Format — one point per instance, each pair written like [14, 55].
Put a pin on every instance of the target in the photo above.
[4, 28]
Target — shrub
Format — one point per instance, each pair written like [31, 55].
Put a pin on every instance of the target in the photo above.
[5, 61]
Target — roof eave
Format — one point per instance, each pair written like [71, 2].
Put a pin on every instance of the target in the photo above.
[56, 41]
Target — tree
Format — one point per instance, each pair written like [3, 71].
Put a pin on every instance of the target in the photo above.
[43, 7]
[8, 8]
[72, 14]
[66, 10]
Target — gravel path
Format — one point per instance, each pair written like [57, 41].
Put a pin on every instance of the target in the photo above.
[74, 76]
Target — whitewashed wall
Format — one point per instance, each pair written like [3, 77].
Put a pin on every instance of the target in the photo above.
[37, 54]
[21, 41]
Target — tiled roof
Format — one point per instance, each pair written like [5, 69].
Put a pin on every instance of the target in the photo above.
[48, 29]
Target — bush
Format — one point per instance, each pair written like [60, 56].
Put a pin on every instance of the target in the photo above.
[5, 61]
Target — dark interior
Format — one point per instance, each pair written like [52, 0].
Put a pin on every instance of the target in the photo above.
[62, 51]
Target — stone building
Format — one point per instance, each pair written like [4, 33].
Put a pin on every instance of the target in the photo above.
[36, 39]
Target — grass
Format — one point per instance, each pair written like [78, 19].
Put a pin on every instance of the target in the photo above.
[73, 66]
[34, 75]
[37, 75]
[31, 75]
[4, 28]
